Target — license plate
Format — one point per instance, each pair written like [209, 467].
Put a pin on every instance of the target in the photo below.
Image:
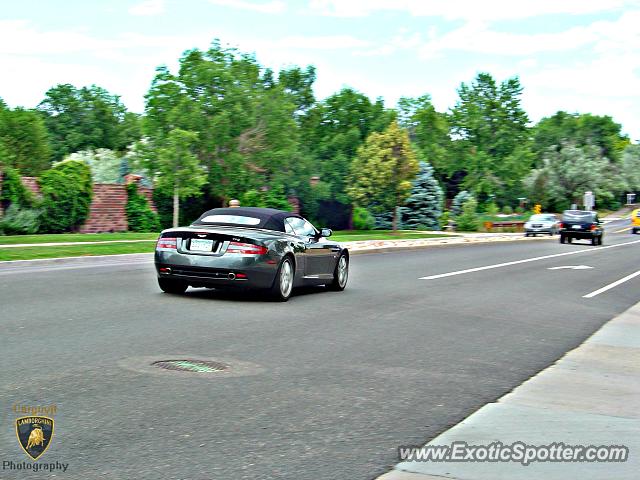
[576, 227]
[198, 245]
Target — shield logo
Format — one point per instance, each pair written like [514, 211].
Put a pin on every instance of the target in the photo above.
[34, 434]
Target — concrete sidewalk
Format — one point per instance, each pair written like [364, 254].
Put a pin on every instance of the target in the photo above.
[591, 396]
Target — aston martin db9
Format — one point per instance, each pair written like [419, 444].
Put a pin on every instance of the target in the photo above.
[259, 248]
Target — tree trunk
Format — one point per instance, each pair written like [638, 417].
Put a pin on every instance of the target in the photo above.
[176, 205]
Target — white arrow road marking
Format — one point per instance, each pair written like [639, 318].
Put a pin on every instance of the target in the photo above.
[571, 267]
[611, 285]
[526, 260]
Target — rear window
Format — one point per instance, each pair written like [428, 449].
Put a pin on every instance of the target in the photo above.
[539, 218]
[578, 215]
[231, 219]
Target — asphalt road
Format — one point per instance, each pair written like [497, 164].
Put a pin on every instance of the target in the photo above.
[328, 385]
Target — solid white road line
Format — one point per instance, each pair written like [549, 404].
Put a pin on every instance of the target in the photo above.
[611, 285]
[526, 260]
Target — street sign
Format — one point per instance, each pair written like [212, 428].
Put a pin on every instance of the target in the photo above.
[589, 200]
[630, 198]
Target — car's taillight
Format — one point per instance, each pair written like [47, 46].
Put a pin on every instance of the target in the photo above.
[593, 227]
[246, 248]
[560, 225]
[167, 242]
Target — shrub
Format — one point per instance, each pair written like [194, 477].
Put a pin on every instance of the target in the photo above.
[140, 217]
[519, 210]
[66, 196]
[468, 221]
[492, 209]
[444, 219]
[458, 201]
[20, 221]
[13, 190]
[507, 210]
[362, 219]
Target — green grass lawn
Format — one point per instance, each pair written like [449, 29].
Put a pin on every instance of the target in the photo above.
[355, 235]
[75, 237]
[28, 253]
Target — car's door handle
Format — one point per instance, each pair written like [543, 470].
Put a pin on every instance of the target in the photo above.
[335, 249]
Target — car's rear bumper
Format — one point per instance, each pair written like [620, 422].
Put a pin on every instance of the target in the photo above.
[217, 271]
[539, 230]
[580, 233]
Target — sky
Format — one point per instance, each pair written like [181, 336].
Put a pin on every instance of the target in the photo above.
[573, 55]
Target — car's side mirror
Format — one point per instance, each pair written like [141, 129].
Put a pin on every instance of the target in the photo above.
[326, 232]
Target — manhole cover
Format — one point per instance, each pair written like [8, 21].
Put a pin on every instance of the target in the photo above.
[197, 366]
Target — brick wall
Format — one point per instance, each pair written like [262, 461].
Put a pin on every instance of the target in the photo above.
[107, 211]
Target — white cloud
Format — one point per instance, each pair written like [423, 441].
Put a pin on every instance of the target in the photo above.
[275, 6]
[330, 42]
[148, 8]
[477, 37]
[466, 9]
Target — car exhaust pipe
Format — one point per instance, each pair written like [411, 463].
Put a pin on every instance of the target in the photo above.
[232, 276]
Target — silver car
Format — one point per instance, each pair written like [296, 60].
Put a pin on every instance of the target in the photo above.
[543, 223]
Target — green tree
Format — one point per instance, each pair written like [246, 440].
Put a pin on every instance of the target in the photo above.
[382, 171]
[87, 118]
[492, 138]
[246, 122]
[66, 190]
[429, 132]
[174, 167]
[24, 140]
[569, 172]
[341, 123]
[581, 130]
[423, 208]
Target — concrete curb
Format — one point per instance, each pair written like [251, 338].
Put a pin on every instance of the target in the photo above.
[591, 396]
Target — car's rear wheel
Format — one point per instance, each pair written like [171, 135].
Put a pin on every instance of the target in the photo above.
[600, 239]
[562, 238]
[283, 283]
[569, 239]
[594, 240]
[169, 285]
[340, 274]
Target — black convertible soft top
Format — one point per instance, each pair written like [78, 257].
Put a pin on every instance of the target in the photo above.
[268, 218]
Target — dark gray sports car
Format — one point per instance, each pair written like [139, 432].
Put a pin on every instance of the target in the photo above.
[259, 248]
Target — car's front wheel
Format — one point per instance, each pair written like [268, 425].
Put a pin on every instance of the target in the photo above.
[168, 285]
[340, 274]
[283, 283]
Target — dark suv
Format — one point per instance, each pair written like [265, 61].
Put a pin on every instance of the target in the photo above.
[581, 224]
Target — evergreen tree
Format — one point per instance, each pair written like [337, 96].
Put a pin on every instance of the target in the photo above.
[458, 201]
[424, 207]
